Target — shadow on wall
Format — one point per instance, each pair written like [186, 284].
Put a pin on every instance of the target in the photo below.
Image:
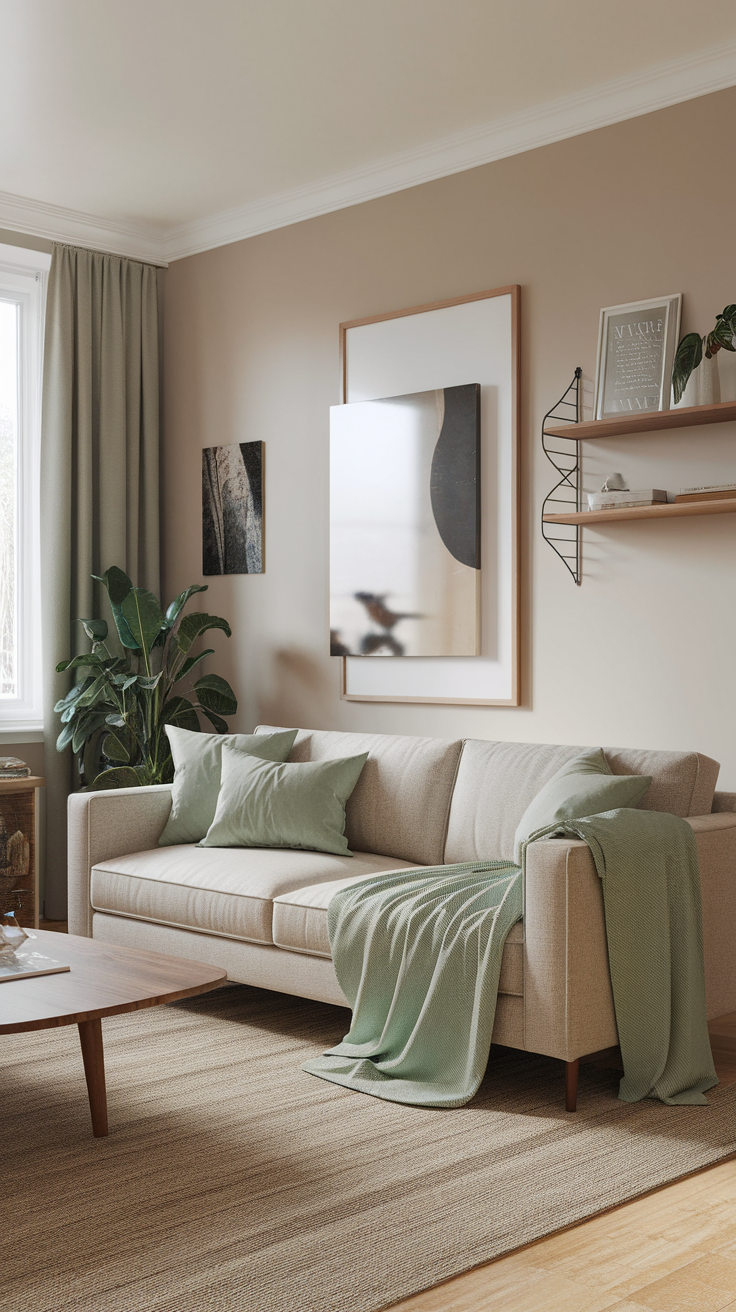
[303, 690]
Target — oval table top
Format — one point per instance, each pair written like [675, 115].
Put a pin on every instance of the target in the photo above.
[104, 980]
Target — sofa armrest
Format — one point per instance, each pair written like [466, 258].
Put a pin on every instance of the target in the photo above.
[106, 824]
[568, 1004]
[724, 802]
[715, 835]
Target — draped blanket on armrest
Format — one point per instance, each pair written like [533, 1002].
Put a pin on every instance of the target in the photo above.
[648, 865]
[418, 956]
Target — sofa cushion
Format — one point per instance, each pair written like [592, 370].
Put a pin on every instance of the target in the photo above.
[401, 802]
[197, 769]
[225, 891]
[497, 781]
[293, 804]
[300, 925]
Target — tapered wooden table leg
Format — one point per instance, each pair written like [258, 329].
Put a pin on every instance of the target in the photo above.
[571, 1084]
[90, 1037]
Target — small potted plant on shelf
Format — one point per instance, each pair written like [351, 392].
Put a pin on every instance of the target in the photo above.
[695, 379]
[115, 717]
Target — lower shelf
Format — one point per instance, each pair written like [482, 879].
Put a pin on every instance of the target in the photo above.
[661, 511]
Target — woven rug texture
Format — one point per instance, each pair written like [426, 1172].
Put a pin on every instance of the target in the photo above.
[233, 1181]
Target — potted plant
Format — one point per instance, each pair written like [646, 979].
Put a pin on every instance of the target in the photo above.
[115, 717]
[691, 351]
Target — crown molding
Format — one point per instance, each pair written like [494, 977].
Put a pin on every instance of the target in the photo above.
[653, 88]
[35, 217]
[657, 87]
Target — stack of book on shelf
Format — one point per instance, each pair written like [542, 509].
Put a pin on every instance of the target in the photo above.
[650, 496]
[11, 767]
[711, 492]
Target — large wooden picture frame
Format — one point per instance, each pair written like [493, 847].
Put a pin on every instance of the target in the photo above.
[467, 339]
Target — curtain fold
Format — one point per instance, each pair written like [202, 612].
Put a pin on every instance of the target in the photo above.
[99, 477]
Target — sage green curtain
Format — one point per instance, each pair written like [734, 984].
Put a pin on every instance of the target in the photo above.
[99, 477]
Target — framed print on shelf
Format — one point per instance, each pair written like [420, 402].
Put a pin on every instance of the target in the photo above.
[445, 354]
[636, 350]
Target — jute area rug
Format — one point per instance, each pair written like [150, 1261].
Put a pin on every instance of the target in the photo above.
[232, 1181]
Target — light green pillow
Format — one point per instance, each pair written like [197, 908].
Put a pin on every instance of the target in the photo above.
[262, 804]
[585, 786]
[197, 762]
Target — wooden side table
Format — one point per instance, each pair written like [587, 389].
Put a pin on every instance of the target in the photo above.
[19, 848]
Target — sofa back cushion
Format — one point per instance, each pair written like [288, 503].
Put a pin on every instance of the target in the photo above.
[497, 781]
[401, 802]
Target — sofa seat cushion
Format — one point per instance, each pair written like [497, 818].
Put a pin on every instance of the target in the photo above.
[226, 891]
[300, 925]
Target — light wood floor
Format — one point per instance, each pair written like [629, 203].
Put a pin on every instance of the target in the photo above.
[672, 1251]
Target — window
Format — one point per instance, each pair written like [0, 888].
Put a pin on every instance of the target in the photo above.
[23, 276]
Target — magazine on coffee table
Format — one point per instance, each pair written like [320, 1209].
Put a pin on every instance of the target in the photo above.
[31, 963]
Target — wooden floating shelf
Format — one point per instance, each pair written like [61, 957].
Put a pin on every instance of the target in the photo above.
[661, 511]
[645, 421]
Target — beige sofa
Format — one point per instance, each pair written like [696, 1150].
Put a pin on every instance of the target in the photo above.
[262, 913]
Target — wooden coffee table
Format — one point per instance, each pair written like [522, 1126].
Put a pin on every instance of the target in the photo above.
[104, 980]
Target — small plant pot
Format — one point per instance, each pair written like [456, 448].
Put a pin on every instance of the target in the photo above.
[703, 385]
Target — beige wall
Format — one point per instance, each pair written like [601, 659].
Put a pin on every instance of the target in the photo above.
[643, 654]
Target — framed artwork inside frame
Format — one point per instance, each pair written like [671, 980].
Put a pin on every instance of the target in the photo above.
[424, 504]
[636, 350]
[405, 525]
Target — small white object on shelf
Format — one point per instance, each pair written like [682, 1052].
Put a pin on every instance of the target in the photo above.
[615, 483]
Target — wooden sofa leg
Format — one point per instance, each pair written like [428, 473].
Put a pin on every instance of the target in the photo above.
[571, 1084]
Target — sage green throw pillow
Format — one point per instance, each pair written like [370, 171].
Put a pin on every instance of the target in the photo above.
[585, 786]
[299, 804]
[197, 763]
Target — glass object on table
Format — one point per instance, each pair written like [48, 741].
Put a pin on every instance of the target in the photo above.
[12, 935]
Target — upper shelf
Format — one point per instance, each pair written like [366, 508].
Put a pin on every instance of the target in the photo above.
[647, 421]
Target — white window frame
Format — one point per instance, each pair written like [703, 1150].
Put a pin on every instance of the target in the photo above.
[23, 278]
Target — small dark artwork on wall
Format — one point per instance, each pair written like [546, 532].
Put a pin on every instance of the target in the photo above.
[232, 509]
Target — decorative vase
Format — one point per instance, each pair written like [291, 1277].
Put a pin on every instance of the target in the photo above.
[703, 385]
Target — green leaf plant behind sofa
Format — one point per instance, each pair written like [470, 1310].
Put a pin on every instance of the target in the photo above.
[262, 913]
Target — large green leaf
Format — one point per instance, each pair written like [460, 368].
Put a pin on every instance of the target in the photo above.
[180, 711]
[728, 316]
[121, 776]
[178, 604]
[215, 694]
[191, 661]
[86, 725]
[720, 336]
[118, 587]
[95, 629]
[65, 737]
[93, 693]
[114, 749]
[117, 583]
[221, 726]
[688, 357]
[78, 662]
[72, 697]
[191, 626]
[144, 617]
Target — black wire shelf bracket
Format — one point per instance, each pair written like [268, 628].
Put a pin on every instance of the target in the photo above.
[563, 454]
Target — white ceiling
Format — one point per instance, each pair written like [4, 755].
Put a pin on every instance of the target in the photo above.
[160, 127]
